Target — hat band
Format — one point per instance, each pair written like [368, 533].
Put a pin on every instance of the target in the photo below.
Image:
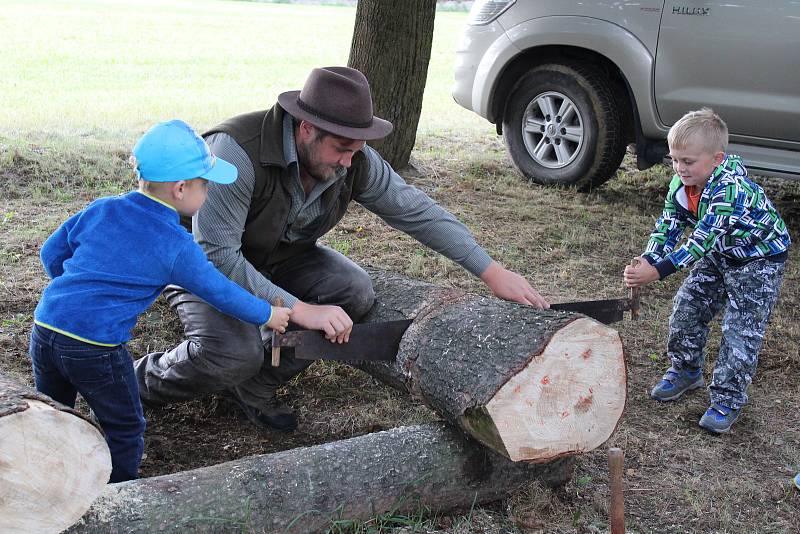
[308, 109]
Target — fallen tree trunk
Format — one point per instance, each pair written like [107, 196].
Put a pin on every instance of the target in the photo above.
[53, 462]
[530, 384]
[428, 467]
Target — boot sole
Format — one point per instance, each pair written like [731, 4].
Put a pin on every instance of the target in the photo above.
[257, 421]
[717, 430]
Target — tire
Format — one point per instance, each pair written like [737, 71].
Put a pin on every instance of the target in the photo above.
[583, 145]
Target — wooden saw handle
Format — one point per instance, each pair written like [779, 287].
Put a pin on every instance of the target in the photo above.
[635, 294]
[276, 338]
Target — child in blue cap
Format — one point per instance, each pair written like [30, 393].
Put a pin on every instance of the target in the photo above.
[108, 263]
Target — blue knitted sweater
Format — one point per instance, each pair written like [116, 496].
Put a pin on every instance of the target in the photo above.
[111, 260]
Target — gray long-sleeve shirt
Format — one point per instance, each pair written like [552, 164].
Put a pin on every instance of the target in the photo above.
[219, 225]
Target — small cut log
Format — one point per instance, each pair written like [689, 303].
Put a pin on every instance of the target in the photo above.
[53, 461]
[404, 470]
[530, 384]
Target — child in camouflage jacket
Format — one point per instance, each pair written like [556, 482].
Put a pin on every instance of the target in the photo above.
[738, 246]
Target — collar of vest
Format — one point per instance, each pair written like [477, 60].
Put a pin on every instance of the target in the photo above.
[259, 133]
[272, 152]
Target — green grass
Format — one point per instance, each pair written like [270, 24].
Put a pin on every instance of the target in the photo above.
[106, 70]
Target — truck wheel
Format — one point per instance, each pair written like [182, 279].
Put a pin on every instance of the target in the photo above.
[562, 126]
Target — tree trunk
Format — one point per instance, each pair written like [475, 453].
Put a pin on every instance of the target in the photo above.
[303, 490]
[53, 462]
[392, 47]
[530, 384]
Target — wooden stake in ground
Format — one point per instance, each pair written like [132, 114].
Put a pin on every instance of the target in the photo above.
[53, 462]
[401, 471]
[530, 384]
[617, 508]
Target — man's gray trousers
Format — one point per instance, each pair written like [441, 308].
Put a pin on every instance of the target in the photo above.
[222, 353]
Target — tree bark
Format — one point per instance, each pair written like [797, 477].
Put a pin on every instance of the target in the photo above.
[303, 490]
[530, 384]
[53, 462]
[392, 47]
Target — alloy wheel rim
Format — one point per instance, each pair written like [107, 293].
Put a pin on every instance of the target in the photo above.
[552, 130]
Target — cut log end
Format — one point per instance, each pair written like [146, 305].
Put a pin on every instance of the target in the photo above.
[532, 385]
[52, 466]
[567, 400]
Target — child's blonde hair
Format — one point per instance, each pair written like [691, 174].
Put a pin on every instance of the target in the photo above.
[702, 127]
[155, 188]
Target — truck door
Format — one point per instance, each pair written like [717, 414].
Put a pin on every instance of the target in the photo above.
[740, 58]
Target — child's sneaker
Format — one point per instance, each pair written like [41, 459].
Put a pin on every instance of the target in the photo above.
[675, 383]
[719, 418]
[796, 481]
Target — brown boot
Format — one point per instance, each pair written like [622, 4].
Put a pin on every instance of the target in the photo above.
[273, 415]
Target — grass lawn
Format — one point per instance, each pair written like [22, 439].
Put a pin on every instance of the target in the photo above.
[81, 80]
[106, 70]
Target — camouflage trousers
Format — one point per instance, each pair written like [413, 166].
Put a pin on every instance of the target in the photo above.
[748, 293]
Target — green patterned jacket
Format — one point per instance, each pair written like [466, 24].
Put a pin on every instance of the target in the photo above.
[735, 218]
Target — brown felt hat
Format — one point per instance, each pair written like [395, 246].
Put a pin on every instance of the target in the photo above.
[338, 100]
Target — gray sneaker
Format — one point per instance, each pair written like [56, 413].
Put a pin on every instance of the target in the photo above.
[675, 383]
[719, 418]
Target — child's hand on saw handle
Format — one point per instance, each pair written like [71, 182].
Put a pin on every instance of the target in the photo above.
[639, 273]
[280, 319]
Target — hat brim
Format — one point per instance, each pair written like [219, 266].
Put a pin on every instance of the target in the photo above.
[222, 172]
[378, 129]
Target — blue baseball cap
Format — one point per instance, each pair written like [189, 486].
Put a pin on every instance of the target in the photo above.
[172, 151]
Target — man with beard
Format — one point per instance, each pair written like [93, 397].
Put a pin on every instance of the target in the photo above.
[300, 164]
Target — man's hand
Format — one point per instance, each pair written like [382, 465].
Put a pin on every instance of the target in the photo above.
[641, 274]
[508, 285]
[332, 320]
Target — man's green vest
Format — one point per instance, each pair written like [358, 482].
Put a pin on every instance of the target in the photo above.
[260, 134]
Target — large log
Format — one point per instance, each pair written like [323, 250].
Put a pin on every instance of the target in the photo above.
[428, 467]
[530, 384]
[53, 461]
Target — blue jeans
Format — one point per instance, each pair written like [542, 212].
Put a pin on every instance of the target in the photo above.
[64, 367]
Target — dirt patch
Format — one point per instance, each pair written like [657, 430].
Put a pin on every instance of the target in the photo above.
[570, 245]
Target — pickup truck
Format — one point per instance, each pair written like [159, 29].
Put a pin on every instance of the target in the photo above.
[571, 84]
